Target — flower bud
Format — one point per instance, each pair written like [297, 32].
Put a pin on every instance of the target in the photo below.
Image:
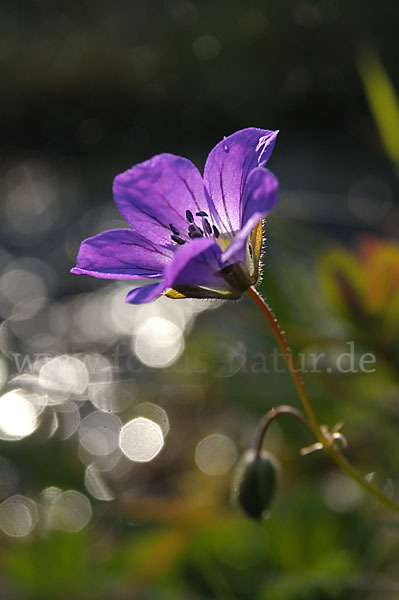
[255, 483]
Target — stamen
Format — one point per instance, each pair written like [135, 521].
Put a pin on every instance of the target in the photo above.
[201, 213]
[207, 226]
[194, 234]
[189, 216]
[173, 229]
[250, 250]
[194, 231]
[177, 239]
[215, 231]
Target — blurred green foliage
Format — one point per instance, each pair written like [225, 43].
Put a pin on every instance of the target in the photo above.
[92, 88]
[384, 102]
[323, 540]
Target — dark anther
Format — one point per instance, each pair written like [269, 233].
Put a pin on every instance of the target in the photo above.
[215, 231]
[194, 234]
[207, 226]
[177, 239]
[201, 213]
[189, 216]
[250, 250]
[173, 229]
[195, 229]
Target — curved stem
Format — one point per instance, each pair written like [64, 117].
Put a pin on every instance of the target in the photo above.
[326, 441]
[269, 417]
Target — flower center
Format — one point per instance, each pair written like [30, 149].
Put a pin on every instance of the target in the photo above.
[193, 229]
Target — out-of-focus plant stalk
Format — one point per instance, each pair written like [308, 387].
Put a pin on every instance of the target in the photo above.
[326, 440]
[269, 418]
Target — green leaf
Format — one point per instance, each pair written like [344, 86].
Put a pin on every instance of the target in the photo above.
[383, 101]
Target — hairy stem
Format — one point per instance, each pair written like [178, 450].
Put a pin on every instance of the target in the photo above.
[326, 441]
[269, 417]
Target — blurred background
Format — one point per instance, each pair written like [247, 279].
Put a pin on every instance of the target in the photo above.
[120, 426]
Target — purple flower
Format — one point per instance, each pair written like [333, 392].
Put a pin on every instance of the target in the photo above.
[201, 237]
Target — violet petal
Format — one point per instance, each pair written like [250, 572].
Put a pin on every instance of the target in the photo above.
[195, 264]
[158, 192]
[228, 166]
[259, 197]
[121, 254]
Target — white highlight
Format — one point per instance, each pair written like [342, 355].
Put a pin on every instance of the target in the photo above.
[67, 511]
[18, 416]
[68, 418]
[64, 375]
[96, 485]
[158, 342]
[141, 439]
[340, 493]
[215, 454]
[18, 516]
[99, 433]
[3, 372]
[154, 413]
